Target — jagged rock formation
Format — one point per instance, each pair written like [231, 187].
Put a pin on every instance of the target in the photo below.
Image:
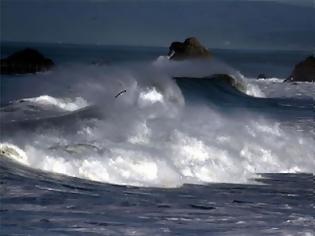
[303, 71]
[191, 48]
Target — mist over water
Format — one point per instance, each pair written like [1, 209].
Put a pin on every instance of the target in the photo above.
[155, 134]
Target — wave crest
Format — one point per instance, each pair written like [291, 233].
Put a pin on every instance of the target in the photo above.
[161, 132]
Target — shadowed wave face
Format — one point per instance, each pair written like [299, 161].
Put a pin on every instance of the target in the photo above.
[227, 93]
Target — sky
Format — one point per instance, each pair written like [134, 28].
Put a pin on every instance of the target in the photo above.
[271, 24]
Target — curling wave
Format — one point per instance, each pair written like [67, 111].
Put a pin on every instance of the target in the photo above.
[162, 132]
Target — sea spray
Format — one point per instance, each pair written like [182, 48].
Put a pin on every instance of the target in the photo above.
[154, 135]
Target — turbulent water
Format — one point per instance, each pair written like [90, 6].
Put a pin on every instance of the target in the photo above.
[126, 142]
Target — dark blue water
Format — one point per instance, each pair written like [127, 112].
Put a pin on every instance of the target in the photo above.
[36, 203]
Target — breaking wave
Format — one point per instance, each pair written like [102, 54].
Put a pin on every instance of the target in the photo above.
[64, 104]
[161, 132]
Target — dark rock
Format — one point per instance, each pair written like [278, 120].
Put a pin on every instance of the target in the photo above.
[261, 76]
[189, 49]
[303, 71]
[25, 61]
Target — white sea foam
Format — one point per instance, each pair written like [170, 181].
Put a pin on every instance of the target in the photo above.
[275, 87]
[62, 103]
[40, 107]
[151, 137]
[197, 153]
[271, 80]
[254, 90]
[150, 97]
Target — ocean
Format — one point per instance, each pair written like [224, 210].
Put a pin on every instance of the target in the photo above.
[118, 140]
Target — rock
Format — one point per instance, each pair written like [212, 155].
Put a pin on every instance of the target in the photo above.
[303, 71]
[189, 49]
[25, 61]
[261, 76]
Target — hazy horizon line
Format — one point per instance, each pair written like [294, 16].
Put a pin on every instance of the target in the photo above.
[153, 46]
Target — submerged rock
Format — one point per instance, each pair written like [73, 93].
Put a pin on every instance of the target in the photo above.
[191, 48]
[303, 71]
[25, 61]
[261, 76]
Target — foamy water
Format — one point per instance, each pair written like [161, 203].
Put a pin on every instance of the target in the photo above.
[150, 136]
[61, 103]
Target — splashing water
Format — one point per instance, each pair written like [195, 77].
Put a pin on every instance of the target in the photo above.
[154, 135]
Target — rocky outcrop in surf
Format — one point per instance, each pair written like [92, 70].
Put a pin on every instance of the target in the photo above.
[191, 48]
[303, 71]
[262, 76]
[25, 61]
